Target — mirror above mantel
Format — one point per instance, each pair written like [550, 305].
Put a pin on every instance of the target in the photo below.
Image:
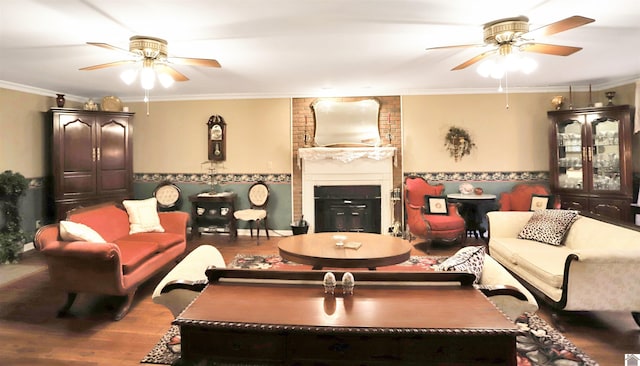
[346, 124]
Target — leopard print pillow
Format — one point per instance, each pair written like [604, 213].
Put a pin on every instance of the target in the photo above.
[467, 259]
[549, 226]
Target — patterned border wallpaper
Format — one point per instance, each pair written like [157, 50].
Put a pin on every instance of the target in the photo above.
[204, 178]
[482, 176]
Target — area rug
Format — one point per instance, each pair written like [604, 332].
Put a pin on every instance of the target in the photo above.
[414, 263]
[538, 345]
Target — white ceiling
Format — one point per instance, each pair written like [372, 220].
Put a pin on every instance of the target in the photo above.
[294, 48]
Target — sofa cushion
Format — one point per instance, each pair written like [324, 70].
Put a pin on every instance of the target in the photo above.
[135, 253]
[143, 215]
[540, 202]
[544, 262]
[110, 221]
[549, 226]
[436, 205]
[468, 259]
[74, 231]
[445, 222]
[163, 240]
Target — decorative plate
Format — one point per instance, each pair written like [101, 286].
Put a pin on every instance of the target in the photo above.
[111, 104]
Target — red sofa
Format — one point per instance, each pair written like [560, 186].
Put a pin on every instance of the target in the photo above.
[117, 266]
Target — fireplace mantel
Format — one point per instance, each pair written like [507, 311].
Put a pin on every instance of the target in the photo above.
[346, 154]
[347, 166]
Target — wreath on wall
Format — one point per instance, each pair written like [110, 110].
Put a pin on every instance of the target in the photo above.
[458, 142]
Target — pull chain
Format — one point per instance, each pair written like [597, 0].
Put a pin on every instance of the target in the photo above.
[506, 88]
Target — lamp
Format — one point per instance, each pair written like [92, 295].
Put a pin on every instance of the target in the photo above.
[506, 61]
[148, 75]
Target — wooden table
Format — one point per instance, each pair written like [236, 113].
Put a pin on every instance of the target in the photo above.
[473, 210]
[320, 250]
[392, 318]
[213, 210]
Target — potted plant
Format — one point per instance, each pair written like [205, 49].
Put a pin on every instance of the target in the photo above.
[12, 237]
[458, 142]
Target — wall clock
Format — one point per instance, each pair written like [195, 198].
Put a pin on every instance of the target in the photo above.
[217, 149]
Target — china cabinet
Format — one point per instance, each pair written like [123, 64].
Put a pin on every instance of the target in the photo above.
[92, 157]
[590, 160]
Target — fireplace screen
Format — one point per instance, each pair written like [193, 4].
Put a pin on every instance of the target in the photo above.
[347, 208]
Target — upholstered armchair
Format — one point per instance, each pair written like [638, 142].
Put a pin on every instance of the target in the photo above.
[424, 222]
[520, 198]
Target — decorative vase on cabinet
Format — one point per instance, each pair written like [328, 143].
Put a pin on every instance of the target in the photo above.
[60, 100]
[590, 160]
[92, 158]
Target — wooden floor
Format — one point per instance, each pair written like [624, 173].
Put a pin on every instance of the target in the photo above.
[30, 333]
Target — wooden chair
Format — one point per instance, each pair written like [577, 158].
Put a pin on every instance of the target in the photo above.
[258, 198]
[448, 227]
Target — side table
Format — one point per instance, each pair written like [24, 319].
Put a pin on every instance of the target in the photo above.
[474, 208]
[213, 210]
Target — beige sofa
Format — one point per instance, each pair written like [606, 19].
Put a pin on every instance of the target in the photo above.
[596, 268]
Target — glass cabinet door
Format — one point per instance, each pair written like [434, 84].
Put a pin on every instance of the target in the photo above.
[569, 155]
[605, 154]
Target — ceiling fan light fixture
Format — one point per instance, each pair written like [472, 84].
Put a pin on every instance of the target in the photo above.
[129, 76]
[497, 67]
[165, 79]
[147, 75]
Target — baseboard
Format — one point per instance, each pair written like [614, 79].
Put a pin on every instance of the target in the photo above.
[247, 232]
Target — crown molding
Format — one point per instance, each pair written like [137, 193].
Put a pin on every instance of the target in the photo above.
[342, 93]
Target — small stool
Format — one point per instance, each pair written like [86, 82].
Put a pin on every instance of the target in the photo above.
[190, 269]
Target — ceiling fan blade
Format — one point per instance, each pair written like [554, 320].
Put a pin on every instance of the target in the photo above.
[559, 26]
[549, 49]
[109, 47]
[473, 60]
[456, 46]
[110, 64]
[194, 61]
[175, 75]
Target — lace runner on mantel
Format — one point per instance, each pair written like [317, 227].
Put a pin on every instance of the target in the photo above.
[346, 154]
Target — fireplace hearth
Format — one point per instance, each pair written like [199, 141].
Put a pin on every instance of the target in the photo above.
[347, 208]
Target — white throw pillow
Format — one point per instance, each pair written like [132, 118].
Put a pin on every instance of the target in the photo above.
[467, 259]
[74, 231]
[143, 216]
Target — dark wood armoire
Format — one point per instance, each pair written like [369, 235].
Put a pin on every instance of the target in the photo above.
[91, 158]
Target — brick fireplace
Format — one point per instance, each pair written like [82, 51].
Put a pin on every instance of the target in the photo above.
[355, 167]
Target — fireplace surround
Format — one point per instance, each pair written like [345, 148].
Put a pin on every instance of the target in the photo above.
[347, 166]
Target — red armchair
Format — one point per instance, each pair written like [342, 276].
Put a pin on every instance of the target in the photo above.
[519, 199]
[447, 228]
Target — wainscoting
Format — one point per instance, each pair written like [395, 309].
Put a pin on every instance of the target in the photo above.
[33, 206]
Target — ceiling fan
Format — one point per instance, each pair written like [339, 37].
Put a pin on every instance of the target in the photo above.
[509, 33]
[152, 52]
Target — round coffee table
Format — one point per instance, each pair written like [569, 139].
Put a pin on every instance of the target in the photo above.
[320, 250]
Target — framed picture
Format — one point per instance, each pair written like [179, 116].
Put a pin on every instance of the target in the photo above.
[539, 202]
[436, 205]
